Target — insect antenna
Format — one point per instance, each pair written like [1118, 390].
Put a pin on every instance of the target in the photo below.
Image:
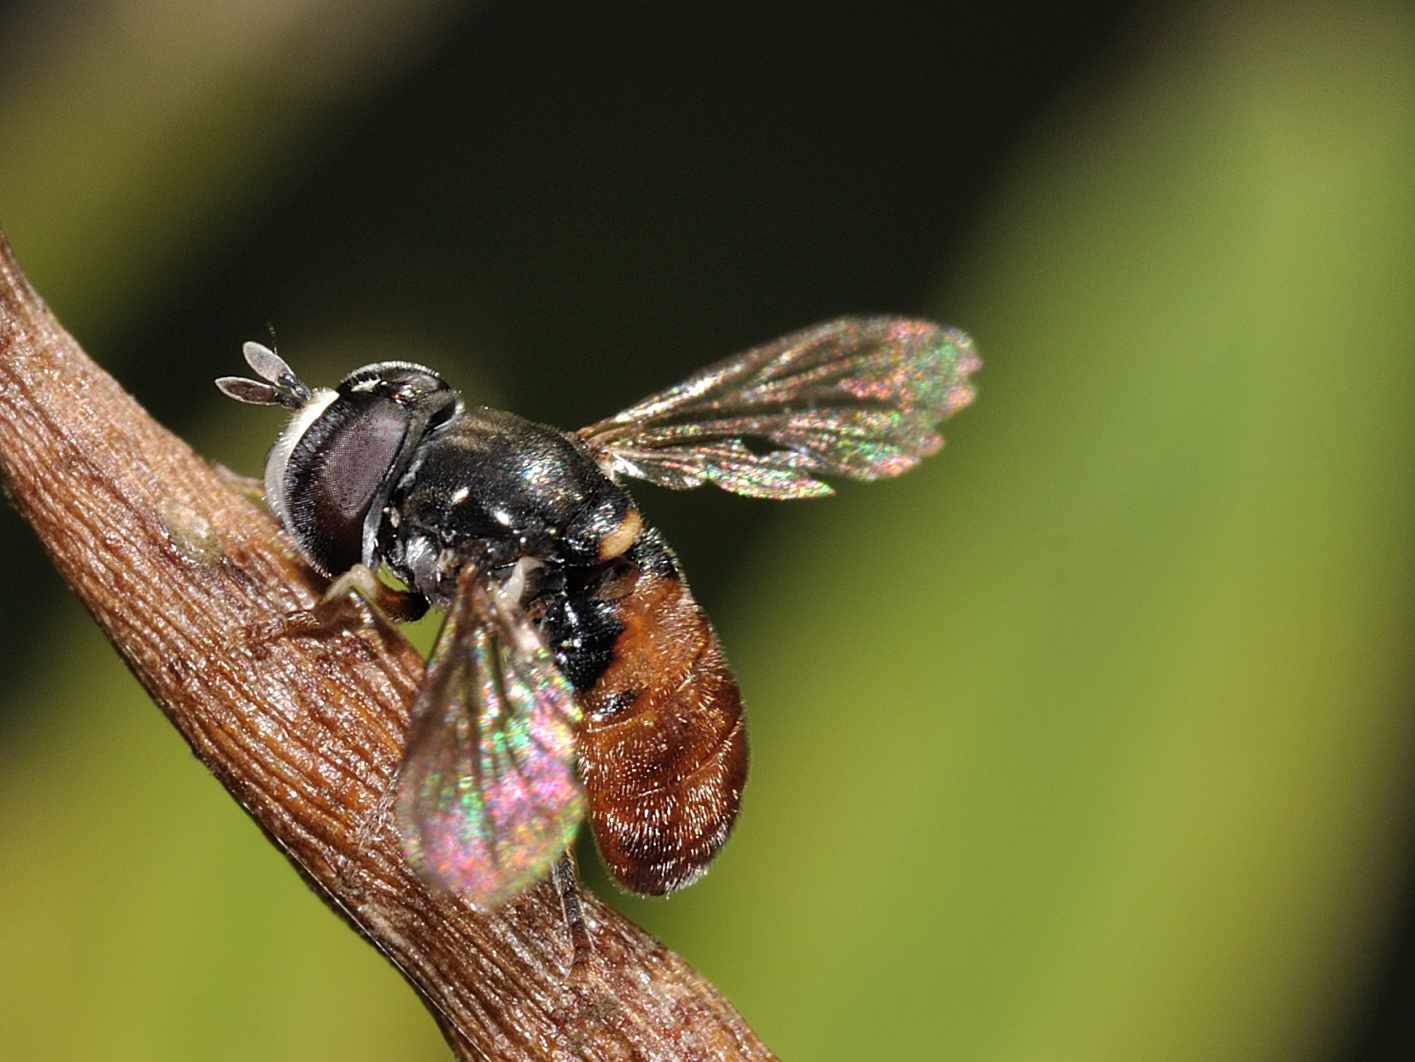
[278, 386]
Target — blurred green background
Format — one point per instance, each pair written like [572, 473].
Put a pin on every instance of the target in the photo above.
[1091, 739]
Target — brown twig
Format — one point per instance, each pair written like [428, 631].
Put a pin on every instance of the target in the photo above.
[305, 733]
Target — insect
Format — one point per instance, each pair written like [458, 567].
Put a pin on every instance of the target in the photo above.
[574, 675]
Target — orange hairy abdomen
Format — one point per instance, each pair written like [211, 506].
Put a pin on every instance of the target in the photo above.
[663, 745]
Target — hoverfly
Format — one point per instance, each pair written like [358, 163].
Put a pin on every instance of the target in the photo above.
[574, 674]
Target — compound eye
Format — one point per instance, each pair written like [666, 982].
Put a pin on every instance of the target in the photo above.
[335, 473]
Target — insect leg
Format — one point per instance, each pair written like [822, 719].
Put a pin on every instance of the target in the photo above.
[389, 604]
[337, 607]
[567, 885]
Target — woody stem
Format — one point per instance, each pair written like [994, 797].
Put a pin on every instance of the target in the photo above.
[305, 733]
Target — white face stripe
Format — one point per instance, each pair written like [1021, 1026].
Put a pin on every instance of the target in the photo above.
[280, 454]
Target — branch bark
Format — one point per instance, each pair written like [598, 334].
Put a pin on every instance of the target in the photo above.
[305, 733]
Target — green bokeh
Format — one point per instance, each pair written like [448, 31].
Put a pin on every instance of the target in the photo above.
[1083, 742]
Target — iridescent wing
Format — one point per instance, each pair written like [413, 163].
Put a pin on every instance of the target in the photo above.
[488, 795]
[860, 398]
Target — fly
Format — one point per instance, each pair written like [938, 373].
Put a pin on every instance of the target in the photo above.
[575, 676]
